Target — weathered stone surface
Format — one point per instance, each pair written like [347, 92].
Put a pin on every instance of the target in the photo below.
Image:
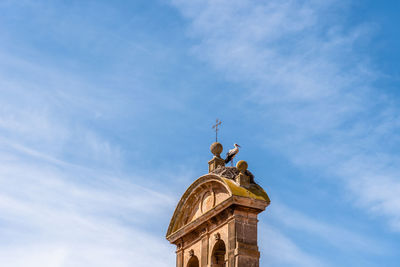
[204, 251]
[216, 148]
[242, 165]
[215, 163]
[179, 258]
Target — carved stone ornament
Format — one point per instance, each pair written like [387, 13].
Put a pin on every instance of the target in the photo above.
[207, 201]
[191, 253]
[217, 236]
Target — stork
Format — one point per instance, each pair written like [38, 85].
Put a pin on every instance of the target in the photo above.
[231, 154]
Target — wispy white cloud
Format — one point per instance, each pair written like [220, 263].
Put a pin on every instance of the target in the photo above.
[300, 64]
[279, 250]
[64, 200]
[327, 232]
[63, 215]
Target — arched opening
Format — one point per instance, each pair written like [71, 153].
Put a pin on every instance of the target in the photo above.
[193, 262]
[218, 256]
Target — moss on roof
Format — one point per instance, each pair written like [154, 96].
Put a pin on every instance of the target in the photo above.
[254, 191]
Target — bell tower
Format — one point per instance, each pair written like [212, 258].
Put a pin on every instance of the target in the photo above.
[215, 222]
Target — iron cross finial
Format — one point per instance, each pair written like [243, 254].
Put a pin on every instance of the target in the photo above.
[217, 123]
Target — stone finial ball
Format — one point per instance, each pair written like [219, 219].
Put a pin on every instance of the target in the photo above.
[216, 148]
[241, 165]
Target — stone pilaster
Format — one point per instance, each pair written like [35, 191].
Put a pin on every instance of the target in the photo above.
[243, 249]
[214, 163]
[204, 251]
[179, 258]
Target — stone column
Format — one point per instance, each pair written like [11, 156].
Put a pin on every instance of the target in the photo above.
[179, 258]
[243, 249]
[231, 243]
[204, 251]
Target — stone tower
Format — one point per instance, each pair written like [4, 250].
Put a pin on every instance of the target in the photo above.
[215, 222]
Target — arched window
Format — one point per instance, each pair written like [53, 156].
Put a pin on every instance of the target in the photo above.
[218, 256]
[193, 262]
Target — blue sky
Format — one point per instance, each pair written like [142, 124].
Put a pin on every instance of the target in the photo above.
[106, 110]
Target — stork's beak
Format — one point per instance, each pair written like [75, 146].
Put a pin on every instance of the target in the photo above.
[238, 145]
